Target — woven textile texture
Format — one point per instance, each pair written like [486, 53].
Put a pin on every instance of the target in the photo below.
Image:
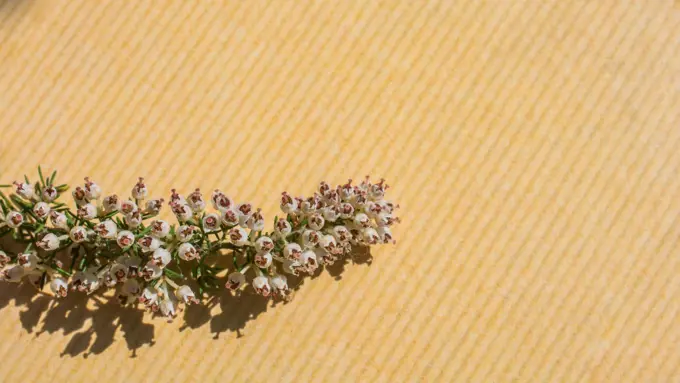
[533, 147]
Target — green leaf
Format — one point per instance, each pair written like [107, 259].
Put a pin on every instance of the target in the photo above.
[40, 173]
[5, 186]
[52, 177]
[62, 188]
[62, 271]
[26, 179]
[172, 274]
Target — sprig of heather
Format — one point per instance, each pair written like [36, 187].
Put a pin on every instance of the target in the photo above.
[111, 242]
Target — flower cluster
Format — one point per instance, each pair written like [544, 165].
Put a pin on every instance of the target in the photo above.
[113, 242]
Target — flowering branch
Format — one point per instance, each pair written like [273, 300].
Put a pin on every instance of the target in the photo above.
[109, 242]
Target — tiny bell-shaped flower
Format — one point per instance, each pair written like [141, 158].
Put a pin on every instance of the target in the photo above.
[111, 203]
[140, 191]
[13, 274]
[92, 190]
[187, 252]
[149, 243]
[49, 194]
[160, 228]
[125, 238]
[235, 280]
[283, 228]
[106, 229]
[78, 234]
[316, 221]
[49, 242]
[59, 287]
[244, 210]
[261, 286]
[264, 244]
[263, 260]
[151, 271]
[256, 221]
[280, 284]
[385, 234]
[328, 243]
[14, 219]
[59, 220]
[362, 220]
[186, 295]
[196, 201]
[4, 259]
[24, 189]
[346, 210]
[220, 201]
[185, 233]
[41, 210]
[134, 219]
[154, 206]
[131, 288]
[370, 236]
[292, 251]
[128, 207]
[238, 236]
[87, 211]
[230, 217]
[331, 213]
[182, 211]
[161, 257]
[149, 296]
[342, 234]
[308, 259]
[310, 238]
[28, 260]
[211, 222]
[289, 205]
[118, 272]
[79, 196]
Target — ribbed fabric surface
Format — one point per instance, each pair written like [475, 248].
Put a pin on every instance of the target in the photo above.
[533, 147]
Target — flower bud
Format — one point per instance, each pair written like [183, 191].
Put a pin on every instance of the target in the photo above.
[49, 194]
[196, 201]
[79, 196]
[385, 234]
[41, 210]
[149, 296]
[288, 204]
[331, 213]
[139, 191]
[92, 190]
[346, 210]
[24, 190]
[328, 243]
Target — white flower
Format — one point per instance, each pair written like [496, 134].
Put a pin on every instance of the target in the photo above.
[316, 221]
[86, 281]
[160, 228]
[185, 294]
[370, 236]
[92, 190]
[342, 234]
[134, 219]
[118, 272]
[211, 222]
[347, 191]
[230, 217]
[132, 262]
[24, 189]
[385, 234]
[149, 243]
[177, 198]
[256, 221]
[59, 287]
[161, 257]
[4, 259]
[328, 243]
[264, 243]
[386, 219]
[292, 251]
[310, 238]
[377, 191]
[185, 233]
[371, 208]
[346, 210]
[78, 234]
[139, 191]
[151, 271]
[125, 238]
[87, 211]
[331, 213]
[280, 284]
[362, 220]
[325, 257]
[283, 227]
[238, 236]
[182, 211]
[49, 194]
[196, 201]
[79, 196]
[168, 306]
[235, 280]
[324, 188]
[187, 252]
[14, 219]
[289, 204]
[28, 260]
[154, 206]
[49, 242]
[244, 210]
[263, 260]
[13, 274]
[291, 267]
[220, 201]
[111, 203]
[128, 207]
[59, 220]
[106, 229]
[310, 204]
[308, 259]
[149, 296]
[261, 286]
[41, 209]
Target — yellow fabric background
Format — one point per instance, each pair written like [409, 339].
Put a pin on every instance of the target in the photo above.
[533, 147]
